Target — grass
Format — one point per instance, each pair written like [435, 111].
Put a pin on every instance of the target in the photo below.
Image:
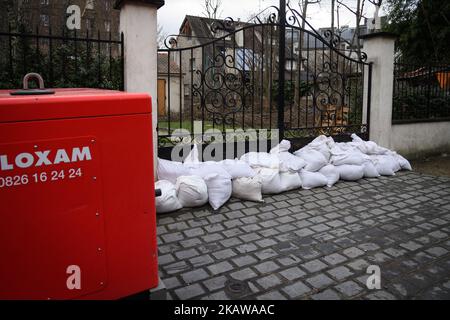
[163, 126]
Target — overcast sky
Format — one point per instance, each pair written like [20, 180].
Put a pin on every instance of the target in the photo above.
[171, 15]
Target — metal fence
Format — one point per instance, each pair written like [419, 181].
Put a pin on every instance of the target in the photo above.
[421, 93]
[70, 59]
[261, 75]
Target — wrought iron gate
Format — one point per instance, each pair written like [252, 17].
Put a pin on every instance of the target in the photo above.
[269, 73]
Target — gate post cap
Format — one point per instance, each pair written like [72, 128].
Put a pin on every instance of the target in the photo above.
[158, 3]
[381, 34]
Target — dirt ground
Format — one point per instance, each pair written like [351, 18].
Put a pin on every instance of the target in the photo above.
[437, 165]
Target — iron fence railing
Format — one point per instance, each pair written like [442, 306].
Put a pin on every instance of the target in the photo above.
[421, 93]
[70, 59]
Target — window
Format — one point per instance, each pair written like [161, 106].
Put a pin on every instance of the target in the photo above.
[45, 20]
[90, 24]
[192, 64]
[107, 25]
[291, 64]
[107, 5]
[45, 2]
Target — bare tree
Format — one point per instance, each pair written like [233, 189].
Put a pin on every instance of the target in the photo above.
[303, 4]
[161, 36]
[212, 8]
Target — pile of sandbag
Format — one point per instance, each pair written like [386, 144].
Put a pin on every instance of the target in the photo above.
[321, 163]
[193, 183]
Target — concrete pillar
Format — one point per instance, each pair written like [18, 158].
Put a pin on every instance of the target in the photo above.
[379, 48]
[138, 22]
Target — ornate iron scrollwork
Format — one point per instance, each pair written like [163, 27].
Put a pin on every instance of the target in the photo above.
[222, 89]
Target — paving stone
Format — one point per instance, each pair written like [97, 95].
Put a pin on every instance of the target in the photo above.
[411, 246]
[265, 254]
[395, 252]
[437, 251]
[194, 276]
[186, 254]
[340, 273]
[243, 274]
[220, 267]
[191, 242]
[320, 281]
[349, 288]
[380, 295]
[165, 259]
[224, 254]
[328, 294]
[216, 283]
[201, 260]
[358, 264]
[172, 282]
[289, 260]
[244, 248]
[353, 252]
[293, 273]
[244, 260]
[221, 295]
[266, 267]
[296, 290]
[172, 237]
[265, 243]
[189, 292]
[334, 259]
[314, 266]
[272, 295]
[269, 281]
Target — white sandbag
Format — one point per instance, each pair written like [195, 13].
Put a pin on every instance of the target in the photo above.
[171, 170]
[369, 170]
[237, 168]
[313, 158]
[283, 146]
[322, 144]
[203, 169]
[248, 189]
[219, 189]
[350, 172]
[290, 163]
[168, 201]
[367, 147]
[192, 191]
[193, 156]
[350, 157]
[270, 179]
[385, 164]
[261, 160]
[331, 173]
[404, 164]
[312, 180]
[290, 181]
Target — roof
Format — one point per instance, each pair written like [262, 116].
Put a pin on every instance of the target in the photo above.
[201, 27]
[163, 65]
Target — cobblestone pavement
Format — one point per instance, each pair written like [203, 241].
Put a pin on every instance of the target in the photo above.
[314, 244]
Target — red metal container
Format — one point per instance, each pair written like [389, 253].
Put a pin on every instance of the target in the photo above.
[77, 206]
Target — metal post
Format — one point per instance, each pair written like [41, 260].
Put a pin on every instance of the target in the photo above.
[429, 91]
[281, 66]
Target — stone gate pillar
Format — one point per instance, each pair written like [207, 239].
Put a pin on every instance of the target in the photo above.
[138, 23]
[379, 48]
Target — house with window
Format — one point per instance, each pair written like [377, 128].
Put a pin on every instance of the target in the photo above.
[170, 86]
